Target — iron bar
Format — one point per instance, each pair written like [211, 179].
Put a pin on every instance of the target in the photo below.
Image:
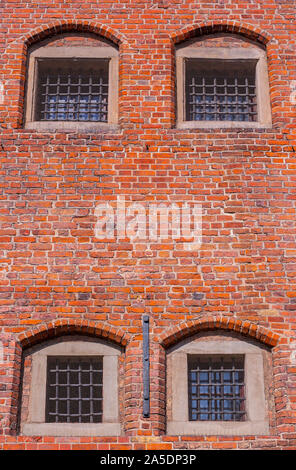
[74, 389]
[216, 388]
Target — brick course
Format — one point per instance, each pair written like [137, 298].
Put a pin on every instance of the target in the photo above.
[56, 278]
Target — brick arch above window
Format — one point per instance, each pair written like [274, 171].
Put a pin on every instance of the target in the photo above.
[184, 330]
[63, 327]
[51, 29]
[231, 27]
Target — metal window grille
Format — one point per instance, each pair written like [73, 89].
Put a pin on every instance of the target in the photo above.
[74, 390]
[73, 90]
[216, 388]
[220, 90]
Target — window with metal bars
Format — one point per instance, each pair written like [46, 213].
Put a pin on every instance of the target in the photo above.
[73, 90]
[220, 90]
[74, 392]
[216, 388]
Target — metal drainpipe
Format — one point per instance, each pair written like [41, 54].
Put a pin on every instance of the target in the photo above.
[146, 368]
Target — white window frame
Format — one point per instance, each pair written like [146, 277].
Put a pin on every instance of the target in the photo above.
[75, 53]
[35, 423]
[236, 53]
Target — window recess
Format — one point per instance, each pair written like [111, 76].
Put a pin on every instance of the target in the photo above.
[222, 87]
[72, 88]
[216, 388]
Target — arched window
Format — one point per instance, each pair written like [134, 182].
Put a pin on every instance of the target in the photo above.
[222, 81]
[70, 388]
[218, 385]
[72, 83]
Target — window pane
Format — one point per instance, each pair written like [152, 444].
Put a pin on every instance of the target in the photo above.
[216, 388]
[74, 390]
[220, 90]
[73, 90]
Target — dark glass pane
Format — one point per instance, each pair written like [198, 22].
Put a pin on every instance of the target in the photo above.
[215, 90]
[73, 91]
[74, 390]
[216, 388]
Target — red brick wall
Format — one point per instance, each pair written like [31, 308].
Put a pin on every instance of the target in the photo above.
[55, 277]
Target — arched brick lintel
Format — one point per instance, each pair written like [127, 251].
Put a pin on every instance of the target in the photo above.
[57, 328]
[231, 27]
[207, 323]
[59, 27]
